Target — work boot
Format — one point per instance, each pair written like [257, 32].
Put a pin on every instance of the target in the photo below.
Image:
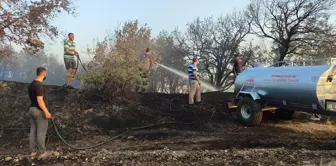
[70, 87]
[198, 103]
[190, 106]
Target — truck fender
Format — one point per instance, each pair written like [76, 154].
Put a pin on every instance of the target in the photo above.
[254, 95]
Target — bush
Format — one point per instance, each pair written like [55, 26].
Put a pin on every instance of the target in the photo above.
[115, 67]
[113, 77]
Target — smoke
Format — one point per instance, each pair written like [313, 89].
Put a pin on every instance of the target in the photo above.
[21, 67]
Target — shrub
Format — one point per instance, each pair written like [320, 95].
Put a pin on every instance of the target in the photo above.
[113, 77]
[115, 67]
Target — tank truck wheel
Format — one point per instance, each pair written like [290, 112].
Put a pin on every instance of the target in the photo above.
[249, 111]
[296, 114]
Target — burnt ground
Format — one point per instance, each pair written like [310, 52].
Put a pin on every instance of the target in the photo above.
[212, 135]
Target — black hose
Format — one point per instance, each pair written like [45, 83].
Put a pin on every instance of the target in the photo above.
[79, 61]
[171, 101]
[123, 133]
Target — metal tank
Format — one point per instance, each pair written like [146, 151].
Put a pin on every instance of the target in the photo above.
[299, 88]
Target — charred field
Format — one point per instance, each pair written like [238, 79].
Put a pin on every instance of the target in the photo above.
[211, 134]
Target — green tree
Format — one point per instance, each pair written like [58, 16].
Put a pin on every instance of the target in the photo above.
[170, 55]
[115, 67]
[23, 22]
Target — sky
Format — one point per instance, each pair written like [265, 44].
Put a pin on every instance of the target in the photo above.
[95, 20]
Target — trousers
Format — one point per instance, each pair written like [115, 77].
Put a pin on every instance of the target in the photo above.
[195, 89]
[38, 130]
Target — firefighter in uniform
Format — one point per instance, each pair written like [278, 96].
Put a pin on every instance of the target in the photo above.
[146, 64]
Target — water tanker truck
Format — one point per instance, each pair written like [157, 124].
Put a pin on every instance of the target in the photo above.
[286, 89]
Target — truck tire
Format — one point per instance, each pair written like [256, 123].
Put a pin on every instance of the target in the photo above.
[287, 114]
[296, 114]
[249, 111]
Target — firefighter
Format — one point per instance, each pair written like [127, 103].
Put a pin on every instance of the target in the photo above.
[147, 62]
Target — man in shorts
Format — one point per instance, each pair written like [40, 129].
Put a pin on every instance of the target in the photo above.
[69, 59]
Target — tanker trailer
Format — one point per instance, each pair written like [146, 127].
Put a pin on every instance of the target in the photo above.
[285, 89]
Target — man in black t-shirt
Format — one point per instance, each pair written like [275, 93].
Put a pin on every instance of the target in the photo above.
[39, 114]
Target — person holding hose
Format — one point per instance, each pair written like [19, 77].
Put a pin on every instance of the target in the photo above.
[194, 82]
[146, 63]
[69, 59]
[39, 114]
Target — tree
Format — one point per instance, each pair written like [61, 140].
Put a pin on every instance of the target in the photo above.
[324, 46]
[289, 23]
[22, 68]
[115, 67]
[170, 56]
[6, 52]
[215, 42]
[24, 22]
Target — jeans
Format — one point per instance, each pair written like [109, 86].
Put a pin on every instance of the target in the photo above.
[38, 130]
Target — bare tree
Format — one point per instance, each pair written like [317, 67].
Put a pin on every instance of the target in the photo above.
[324, 45]
[288, 22]
[23, 22]
[216, 42]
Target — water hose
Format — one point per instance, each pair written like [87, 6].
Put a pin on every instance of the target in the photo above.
[125, 132]
[79, 61]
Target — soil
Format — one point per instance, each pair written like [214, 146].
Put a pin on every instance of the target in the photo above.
[215, 136]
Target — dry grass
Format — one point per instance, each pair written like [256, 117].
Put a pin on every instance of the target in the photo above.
[315, 129]
[329, 163]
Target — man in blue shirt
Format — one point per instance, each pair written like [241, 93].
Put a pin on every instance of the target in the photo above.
[194, 82]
